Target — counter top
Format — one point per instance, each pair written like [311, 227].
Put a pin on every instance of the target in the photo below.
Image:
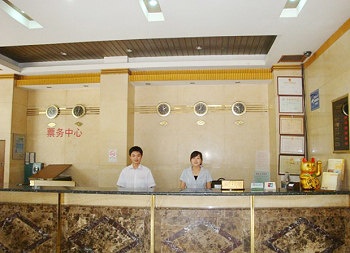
[157, 191]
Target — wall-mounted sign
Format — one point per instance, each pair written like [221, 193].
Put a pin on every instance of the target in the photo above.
[315, 100]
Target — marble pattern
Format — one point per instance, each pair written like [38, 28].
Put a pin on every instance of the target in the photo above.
[190, 230]
[28, 228]
[105, 229]
[302, 230]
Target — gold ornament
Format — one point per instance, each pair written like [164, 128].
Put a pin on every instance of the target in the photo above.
[309, 171]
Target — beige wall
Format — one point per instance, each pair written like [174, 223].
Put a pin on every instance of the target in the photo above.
[6, 100]
[82, 152]
[229, 149]
[19, 126]
[101, 133]
[13, 104]
[330, 73]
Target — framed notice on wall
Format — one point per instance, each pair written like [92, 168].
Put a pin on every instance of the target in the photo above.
[290, 104]
[290, 164]
[292, 144]
[290, 85]
[18, 151]
[291, 124]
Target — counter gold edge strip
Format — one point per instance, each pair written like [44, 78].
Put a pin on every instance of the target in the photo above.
[252, 225]
[152, 223]
[59, 229]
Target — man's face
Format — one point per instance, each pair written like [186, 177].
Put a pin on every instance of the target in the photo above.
[135, 157]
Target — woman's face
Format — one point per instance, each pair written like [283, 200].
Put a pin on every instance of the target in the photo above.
[196, 161]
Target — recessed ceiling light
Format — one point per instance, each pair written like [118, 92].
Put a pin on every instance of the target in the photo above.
[292, 8]
[19, 15]
[152, 2]
[199, 48]
[152, 10]
[129, 50]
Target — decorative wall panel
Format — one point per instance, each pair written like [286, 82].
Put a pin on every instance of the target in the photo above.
[105, 229]
[302, 230]
[28, 227]
[195, 230]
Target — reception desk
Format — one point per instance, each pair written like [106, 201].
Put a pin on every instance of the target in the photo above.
[47, 219]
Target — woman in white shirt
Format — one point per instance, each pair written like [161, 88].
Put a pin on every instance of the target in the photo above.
[196, 177]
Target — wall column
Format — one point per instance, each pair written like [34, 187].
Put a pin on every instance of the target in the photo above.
[6, 99]
[115, 132]
[278, 71]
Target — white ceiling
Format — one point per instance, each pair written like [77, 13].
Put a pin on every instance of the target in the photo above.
[98, 20]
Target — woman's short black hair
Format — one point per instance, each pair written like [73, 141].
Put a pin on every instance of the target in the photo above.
[196, 153]
[137, 149]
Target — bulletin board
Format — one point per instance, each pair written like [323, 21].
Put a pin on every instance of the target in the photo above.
[340, 113]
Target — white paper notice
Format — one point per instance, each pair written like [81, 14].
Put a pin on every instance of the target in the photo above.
[262, 161]
[112, 156]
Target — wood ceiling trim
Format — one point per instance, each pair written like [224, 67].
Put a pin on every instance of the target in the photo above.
[285, 66]
[224, 45]
[231, 74]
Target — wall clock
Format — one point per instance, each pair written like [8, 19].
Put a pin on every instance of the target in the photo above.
[200, 108]
[238, 108]
[52, 111]
[78, 111]
[163, 109]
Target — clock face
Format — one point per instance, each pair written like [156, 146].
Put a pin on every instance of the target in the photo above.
[52, 111]
[163, 109]
[78, 111]
[238, 108]
[200, 108]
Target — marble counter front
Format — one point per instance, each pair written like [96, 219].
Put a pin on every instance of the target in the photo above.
[77, 219]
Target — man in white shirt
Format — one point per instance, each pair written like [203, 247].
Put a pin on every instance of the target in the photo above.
[136, 175]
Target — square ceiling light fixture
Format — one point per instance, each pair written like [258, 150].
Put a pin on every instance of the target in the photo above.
[19, 15]
[292, 8]
[152, 10]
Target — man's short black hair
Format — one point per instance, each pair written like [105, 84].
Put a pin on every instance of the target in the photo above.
[137, 149]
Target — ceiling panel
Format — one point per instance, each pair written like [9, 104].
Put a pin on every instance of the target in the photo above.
[222, 45]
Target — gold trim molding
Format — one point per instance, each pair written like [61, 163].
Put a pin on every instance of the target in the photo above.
[8, 76]
[58, 79]
[114, 71]
[217, 74]
[64, 110]
[149, 109]
[328, 43]
[284, 67]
